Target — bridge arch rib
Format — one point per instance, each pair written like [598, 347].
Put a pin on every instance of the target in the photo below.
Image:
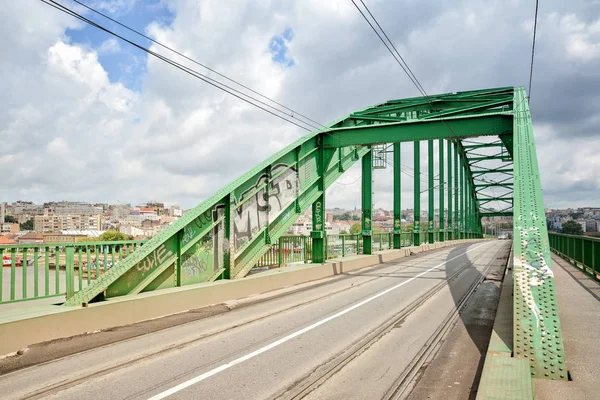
[224, 236]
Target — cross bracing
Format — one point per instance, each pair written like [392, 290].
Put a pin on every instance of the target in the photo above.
[487, 167]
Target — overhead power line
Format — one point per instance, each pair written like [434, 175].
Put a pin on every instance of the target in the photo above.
[410, 75]
[190, 71]
[195, 61]
[213, 82]
[533, 48]
[400, 60]
[419, 86]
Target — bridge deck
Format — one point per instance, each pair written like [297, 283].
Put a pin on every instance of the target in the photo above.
[350, 337]
[579, 307]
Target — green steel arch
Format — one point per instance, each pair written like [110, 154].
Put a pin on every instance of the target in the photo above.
[224, 236]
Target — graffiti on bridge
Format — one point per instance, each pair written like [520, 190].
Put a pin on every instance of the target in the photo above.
[258, 211]
[535, 269]
[154, 259]
[197, 264]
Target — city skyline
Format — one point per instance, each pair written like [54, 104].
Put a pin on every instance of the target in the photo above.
[86, 116]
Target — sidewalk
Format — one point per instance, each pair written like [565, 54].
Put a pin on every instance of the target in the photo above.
[579, 308]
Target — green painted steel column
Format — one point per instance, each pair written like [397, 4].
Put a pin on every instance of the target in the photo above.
[228, 258]
[367, 201]
[461, 224]
[417, 194]
[318, 232]
[456, 191]
[536, 329]
[442, 227]
[465, 194]
[318, 214]
[468, 214]
[431, 213]
[397, 196]
[450, 189]
[466, 207]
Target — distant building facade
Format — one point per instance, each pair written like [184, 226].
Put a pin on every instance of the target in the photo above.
[54, 223]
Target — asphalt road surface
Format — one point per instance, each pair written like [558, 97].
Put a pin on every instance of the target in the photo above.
[357, 336]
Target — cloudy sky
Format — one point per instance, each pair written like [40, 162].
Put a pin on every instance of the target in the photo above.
[85, 117]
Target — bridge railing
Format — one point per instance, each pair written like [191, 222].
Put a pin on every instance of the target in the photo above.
[38, 271]
[581, 251]
[291, 249]
[343, 245]
[288, 249]
[45, 270]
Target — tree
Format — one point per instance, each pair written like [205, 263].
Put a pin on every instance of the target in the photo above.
[9, 219]
[571, 228]
[356, 228]
[113, 236]
[27, 225]
[343, 232]
[345, 216]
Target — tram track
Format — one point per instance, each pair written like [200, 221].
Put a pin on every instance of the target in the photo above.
[316, 378]
[64, 384]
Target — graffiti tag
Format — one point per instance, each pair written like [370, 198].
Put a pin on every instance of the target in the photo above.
[154, 259]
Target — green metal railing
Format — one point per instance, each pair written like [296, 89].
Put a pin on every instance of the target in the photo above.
[343, 245]
[290, 249]
[36, 271]
[581, 251]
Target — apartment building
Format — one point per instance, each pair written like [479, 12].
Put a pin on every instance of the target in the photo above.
[56, 223]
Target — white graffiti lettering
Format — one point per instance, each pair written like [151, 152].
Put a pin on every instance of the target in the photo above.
[255, 213]
[154, 259]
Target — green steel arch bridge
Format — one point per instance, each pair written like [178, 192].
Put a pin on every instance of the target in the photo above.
[225, 236]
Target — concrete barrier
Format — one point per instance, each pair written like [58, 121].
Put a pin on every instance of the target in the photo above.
[26, 327]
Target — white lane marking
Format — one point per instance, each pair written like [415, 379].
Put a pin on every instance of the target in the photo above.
[281, 341]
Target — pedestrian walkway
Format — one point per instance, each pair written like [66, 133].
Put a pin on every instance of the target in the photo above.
[579, 307]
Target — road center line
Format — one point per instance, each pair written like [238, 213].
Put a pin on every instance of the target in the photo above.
[291, 336]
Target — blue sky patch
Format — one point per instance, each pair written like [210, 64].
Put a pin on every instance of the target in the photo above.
[123, 62]
[278, 46]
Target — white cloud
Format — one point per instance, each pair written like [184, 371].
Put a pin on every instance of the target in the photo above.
[180, 140]
[109, 46]
[58, 147]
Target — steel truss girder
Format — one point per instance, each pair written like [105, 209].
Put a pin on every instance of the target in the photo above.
[417, 130]
[496, 214]
[493, 171]
[488, 185]
[225, 235]
[536, 321]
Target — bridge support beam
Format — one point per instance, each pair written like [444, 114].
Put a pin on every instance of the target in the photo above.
[442, 227]
[397, 196]
[431, 211]
[467, 207]
[461, 171]
[318, 214]
[536, 329]
[456, 193]
[367, 201]
[450, 190]
[471, 211]
[417, 194]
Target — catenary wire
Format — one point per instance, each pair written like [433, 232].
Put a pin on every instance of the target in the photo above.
[188, 70]
[194, 61]
[533, 48]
